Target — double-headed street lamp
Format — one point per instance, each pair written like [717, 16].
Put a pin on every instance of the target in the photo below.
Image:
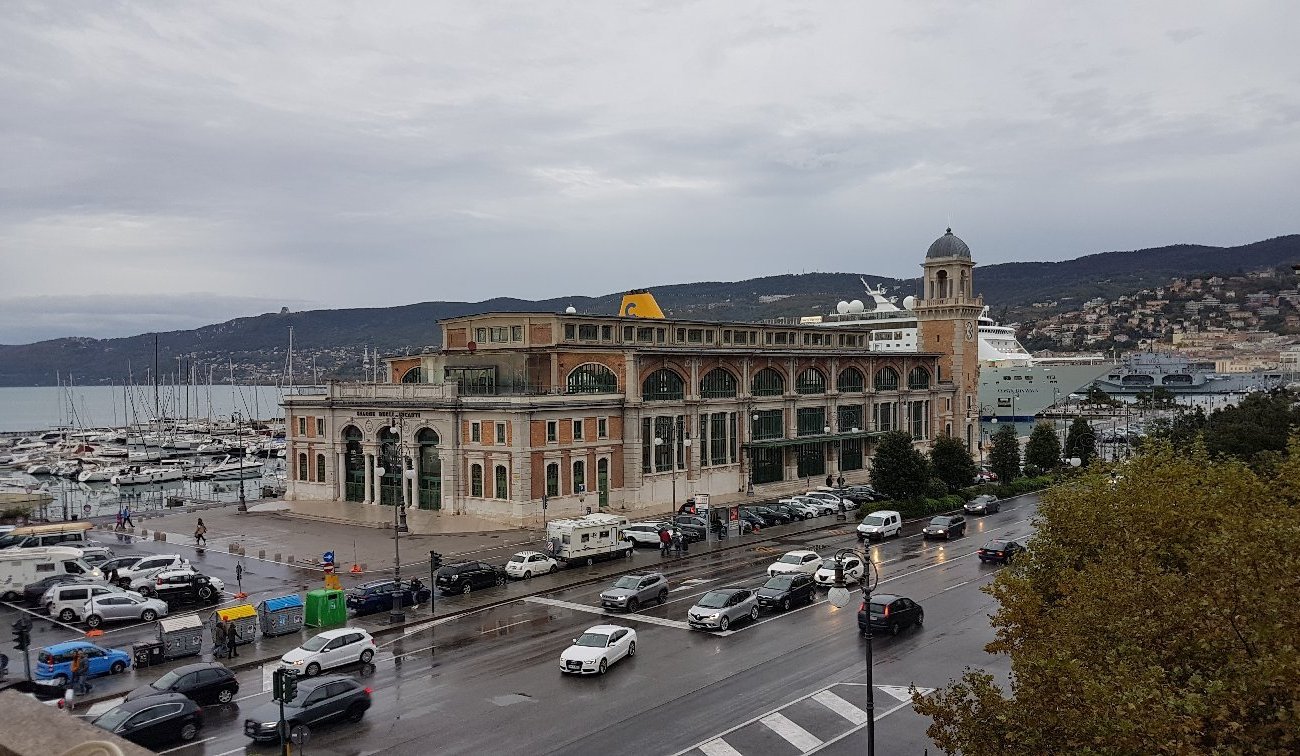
[396, 615]
[839, 598]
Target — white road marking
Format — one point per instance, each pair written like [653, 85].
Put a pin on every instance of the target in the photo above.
[797, 736]
[268, 677]
[838, 738]
[949, 588]
[719, 747]
[503, 627]
[840, 706]
[690, 583]
[593, 610]
[45, 617]
[187, 745]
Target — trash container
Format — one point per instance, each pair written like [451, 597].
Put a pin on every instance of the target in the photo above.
[243, 617]
[280, 615]
[147, 653]
[181, 636]
[325, 607]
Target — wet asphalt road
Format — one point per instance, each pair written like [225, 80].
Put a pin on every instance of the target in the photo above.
[789, 684]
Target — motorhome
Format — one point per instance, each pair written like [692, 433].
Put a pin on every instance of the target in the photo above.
[72, 534]
[19, 567]
[588, 539]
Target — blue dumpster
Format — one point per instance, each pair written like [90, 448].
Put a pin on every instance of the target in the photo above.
[281, 615]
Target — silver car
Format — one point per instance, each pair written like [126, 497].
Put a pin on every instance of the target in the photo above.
[717, 609]
[631, 591]
[116, 607]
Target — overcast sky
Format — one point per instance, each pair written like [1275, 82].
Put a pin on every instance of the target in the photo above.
[168, 165]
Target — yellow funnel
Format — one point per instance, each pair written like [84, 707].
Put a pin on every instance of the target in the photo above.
[640, 304]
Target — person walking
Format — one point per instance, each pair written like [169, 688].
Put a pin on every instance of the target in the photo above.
[78, 668]
[830, 480]
[126, 516]
[219, 641]
[232, 638]
[119, 520]
[201, 534]
[665, 541]
[840, 481]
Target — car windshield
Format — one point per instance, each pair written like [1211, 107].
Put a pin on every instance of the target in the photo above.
[714, 600]
[996, 545]
[592, 640]
[873, 520]
[791, 559]
[628, 581]
[780, 582]
[113, 718]
[316, 644]
[166, 681]
[830, 564]
[939, 521]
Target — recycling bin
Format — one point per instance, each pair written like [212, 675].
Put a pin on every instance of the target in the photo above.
[243, 617]
[325, 607]
[280, 615]
[147, 654]
[181, 636]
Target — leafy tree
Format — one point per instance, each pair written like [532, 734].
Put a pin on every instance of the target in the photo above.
[1157, 398]
[898, 469]
[1155, 614]
[1081, 441]
[951, 462]
[1260, 423]
[1004, 458]
[1043, 451]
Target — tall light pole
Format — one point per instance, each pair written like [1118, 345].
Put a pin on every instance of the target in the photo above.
[396, 615]
[239, 440]
[839, 598]
[749, 489]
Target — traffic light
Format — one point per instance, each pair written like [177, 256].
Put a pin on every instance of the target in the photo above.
[22, 633]
[435, 559]
[284, 685]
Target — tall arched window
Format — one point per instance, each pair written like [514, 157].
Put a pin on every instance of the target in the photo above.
[886, 379]
[414, 375]
[302, 466]
[429, 490]
[579, 476]
[811, 381]
[476, 480]
[918, 378]
[717, 384]
[501, 484]
[354, 465]
[768, 382]
[553, 479]
[851, 380]
[663, 385]
[320, 468]
[592, 378]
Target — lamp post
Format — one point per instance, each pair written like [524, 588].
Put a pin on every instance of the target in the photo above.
[749, 488]
[396, 615]
[239, 440]
[839, 598]
[672, 458]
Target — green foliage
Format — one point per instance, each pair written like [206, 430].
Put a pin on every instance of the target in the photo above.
[15, 511]
[1097, 396]
[1157, 398]
[1081, 442]
[1151, 615]
[898, 469]
[952, 462]
[1014, 488]
[1004, 458]
[917, 508]
[1043, 451]
[1260, 423]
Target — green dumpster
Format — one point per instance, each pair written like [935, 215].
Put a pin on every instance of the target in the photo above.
[325, 607]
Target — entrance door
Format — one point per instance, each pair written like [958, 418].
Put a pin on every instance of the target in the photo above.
[429, 495]
[602, 481]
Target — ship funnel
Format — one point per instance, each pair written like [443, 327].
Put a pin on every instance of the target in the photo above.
[640, 304]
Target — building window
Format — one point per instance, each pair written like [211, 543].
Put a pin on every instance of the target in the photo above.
[627, 333]
[552, 479]
[500, 484]
[851, 454]
[592, 378]
[662, 385]
[587, 332]
[499, 334]
[886, 379]
[602, 428]
[476, 480]
[646, 335]
[517, 333]
[480, 335]
[552, 431]
[320, 426]
[501, 433]
[885, 415]
[768, 465]
[579, 477]
[302, 426]
[302, 466]
[475, 432]
[811, 381]
[848, 417]
[570, 331]
[810, 421]
[606, 333]
[851, 381]
[811, 460]
[768, 382]
[718, 438]
[577, 430]
[918, 378]
[320, 468]
[919, 414]
[717, 384]
[769, 424]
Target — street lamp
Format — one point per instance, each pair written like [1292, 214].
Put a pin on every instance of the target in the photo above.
[672, 457]
[243, 505]
[839, 598]
[749, 488]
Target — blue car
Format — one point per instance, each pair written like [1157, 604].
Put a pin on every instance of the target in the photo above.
[377, 596]
[55, 662]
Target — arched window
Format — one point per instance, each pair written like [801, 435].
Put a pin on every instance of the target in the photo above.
[768, 382]
[579, 476]
[811, 381]
[592, 378]
[302, 466]
[717, 384]
[354, 465]
[476, 480]
[851, 380]
[553, 479]
[320, 468]
[662, 385]
[429, 491]
[886, 379]
[501, 485]
[414, 375]
[918, 378]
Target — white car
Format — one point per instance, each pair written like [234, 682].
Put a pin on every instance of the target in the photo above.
[825, 575]
[643, 533]
[831, 498]
[332, 648]
[595, 650]
[795, 561]
[802, 507]
[819, 505]
[142, 572]
[66, 601]
[525, 564]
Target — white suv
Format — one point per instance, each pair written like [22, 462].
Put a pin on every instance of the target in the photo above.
[141, 574]
[806, 562]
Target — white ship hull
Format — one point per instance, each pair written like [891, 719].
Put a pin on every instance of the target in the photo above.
[1022, 392]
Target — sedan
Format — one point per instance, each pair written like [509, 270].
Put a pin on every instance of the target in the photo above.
[318, 701]
[889, 613]
[770, 516]
[332, 648]
[153, 721]
[717, 609]
[784, 591]
[1001, 551]
[754, 520]
[202, 682]
[377, 596]
[593, 651]
[852, 566]
[122, 606]
[795, 561]
[985, 504]
[819, 504]
[631, 591]
[946, 527]
[525, 564]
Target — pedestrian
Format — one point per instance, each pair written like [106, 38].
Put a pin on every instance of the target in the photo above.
[665, 540]
[201, 534]
[677, 542]
[119, 520]
[112, 576]
[126, 517]
[232, 638]
[830, 480]
[219, 647]
[840, 481]
[78, 669]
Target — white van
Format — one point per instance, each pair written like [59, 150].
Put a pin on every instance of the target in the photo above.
[881, 524]
[22, 566]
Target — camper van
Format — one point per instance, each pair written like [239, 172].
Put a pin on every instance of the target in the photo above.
[588, 539]
[22, 566]
[72, 534]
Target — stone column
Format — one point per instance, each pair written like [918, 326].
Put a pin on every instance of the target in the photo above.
[341, 477]
[415, 478]
[367, 497]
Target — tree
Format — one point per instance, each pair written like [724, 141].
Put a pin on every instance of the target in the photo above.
[951, 462]
[898, 470]
[1081, 441]
[1155, 614]
[1260, 423]
[1043, 451]
[1097, 396]
[1004, 458]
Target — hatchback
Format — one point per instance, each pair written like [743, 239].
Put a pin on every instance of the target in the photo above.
[525, 564]
[116, 607]
[377, 596]
[55, 662]
[204, 683]
[852, 567]
[464, 577]
[889, 613]
[717, 609]
[795, 561]
[318, 701]
[155, 720]
[332, 648]
[946, 527]
[999, 550]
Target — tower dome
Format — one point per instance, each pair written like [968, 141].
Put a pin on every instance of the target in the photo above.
[948, 245]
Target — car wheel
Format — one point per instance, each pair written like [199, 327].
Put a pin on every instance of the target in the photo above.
[501, 580]
[313, 669]
[93, 621]
[753, 614]
[893, 628]
[528, 575]
[189, 731]
[67, 615]
[9, 596]
[604, 665]
[148, 615]
[117, 667]
[663, 597]
[633, 605]
[125, 583]
[785, 604]
[465, 589]
[356, 712]
[723, 624]
[554, 569]
[206, 593]
[366, 656]
[225, 695]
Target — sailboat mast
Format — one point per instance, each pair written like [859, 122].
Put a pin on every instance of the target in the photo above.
[157, 410]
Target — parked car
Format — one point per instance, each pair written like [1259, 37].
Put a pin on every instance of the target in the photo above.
[631, 591]
[185, 586]
[377, 595]
[463, 577]
[986, 475]
[595, 650]
[154, 721]
[717, 609]
[880, 524]
[67, 601]
[692, 527]
[642, 534]
[141, 573]
[34, 593]
[332, 648]
[1000, 550]
[55, 662]
[756, 523]
[831, 498]
[202, 682]
[795, 561]
[853, 571]
[889, 613]
[862, 494]
[119, 564]
[318, 701]
[947, 527]
[985, 504]
[124, 606]
[769, 516]
[820, 505]
[784, 591]
[525, 564]
[790, 510]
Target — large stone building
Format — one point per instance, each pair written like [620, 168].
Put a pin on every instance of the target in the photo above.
[587, 411]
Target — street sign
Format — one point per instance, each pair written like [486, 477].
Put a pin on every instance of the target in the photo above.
[327, 557]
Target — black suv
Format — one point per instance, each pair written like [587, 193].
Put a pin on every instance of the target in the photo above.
[784, 591]
[692, 528]
[946, 527]
[203, 683]
[186, 587]
[769, 516]
[889, 613]
[319, 700]
[463, 577]
[377, 595]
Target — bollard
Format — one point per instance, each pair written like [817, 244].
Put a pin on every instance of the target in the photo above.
[232, 548]
[290, 560]
[261, 553]
[277, 556]
[143, 533]
[162, 534]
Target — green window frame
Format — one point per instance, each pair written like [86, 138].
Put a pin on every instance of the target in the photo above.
[591, 378]
[810, 381]
[851, 381]
[476, 480]
[553, 479]
[768, 425]
[810, 421]
[767, 382]
[918, 378]
[718, 384]
[501, 483]
[663, 385]
[886, 379]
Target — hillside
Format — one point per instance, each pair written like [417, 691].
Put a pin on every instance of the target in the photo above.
[255, 348]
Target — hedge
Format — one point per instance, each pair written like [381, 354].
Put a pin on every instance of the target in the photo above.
[927, 507]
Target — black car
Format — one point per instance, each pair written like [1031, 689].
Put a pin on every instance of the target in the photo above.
[464, 577]
[319, 699]
[377, 595]
[203, 683]
[792, 512]
[946, 527]
[861, 493]
[33, 591]
[692, 527]
[784, 591]
[154, 720]
[889, 613]
[185, 587]
[754, 520]
[1001, 551]
[769, 516]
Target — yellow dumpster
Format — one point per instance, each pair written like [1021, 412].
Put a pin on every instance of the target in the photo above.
[243, 617]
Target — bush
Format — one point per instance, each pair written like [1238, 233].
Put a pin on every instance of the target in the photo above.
[9, 514]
